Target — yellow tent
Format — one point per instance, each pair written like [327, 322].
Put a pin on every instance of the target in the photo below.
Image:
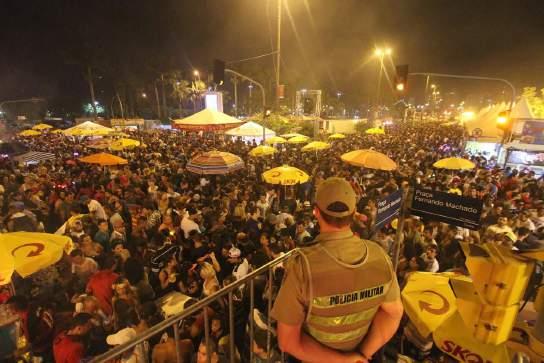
[28, 252]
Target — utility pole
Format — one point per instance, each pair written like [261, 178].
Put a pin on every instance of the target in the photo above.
[235, 82]
[91, 89]
[165, 113]
[157, 100]
[278, 54]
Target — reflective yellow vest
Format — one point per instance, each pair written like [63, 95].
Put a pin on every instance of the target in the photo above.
[344, 298]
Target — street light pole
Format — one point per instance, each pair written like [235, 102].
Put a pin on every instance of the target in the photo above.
[380, 73]
[278, 54]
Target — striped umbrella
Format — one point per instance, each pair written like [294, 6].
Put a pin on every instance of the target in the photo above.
[215, 163]
[34, 157]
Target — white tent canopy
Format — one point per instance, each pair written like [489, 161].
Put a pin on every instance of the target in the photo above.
[251, 129]
[484, 124]
[207, 120]
[86, 128]
[522, 110]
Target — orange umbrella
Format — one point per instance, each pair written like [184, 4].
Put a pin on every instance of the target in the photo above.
[103, 159]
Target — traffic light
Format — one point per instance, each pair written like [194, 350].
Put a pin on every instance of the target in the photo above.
[218, 72]
[308, 105]
[503, 121]
[401, 77]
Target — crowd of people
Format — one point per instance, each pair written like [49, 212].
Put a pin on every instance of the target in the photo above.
[148, 230]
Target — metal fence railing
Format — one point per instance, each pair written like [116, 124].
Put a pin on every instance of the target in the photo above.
[173, 321]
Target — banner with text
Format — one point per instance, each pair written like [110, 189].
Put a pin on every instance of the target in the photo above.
[388, 208]
[447, 208]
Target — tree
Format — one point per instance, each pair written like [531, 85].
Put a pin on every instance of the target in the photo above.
[535, 101]
[362, 126]
[181, 90]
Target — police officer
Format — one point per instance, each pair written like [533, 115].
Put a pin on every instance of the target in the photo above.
[340, 299]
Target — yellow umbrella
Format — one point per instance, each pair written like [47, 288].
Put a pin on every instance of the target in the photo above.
[298, 140]
[428, 300]
[262, 150]
[292, 134]
[375, 131]
[454, 164]
[41, 127]
[57, 131]
[316, 146]
[124, 144]
[119, 133]
[368, 158]
[28, 252]
[337, 136]
[275, 140]
[285, 175]
[29, 133]
[103, 159]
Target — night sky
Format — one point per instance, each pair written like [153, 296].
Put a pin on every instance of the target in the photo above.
[326, 43]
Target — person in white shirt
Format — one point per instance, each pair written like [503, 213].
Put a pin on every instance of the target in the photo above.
[501, 227]
[429, 256]
[83, 267]
[241, 267]
[188, 223]
[263, 205]
[95, 208]
[132, 327]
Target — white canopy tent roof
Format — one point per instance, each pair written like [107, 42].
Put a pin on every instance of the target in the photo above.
[251, 129]
[87, 127]
[484, 124]
[522, 110]
[207, 120]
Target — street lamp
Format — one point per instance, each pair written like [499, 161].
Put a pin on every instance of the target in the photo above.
[380, 53]
[144, 95]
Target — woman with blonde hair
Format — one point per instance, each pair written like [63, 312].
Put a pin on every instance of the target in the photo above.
[210, 284]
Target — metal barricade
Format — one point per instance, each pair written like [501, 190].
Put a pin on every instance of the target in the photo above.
[173, 321]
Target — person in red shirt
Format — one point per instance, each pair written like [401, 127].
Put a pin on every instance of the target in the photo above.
[100, 284]
[68, 345]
